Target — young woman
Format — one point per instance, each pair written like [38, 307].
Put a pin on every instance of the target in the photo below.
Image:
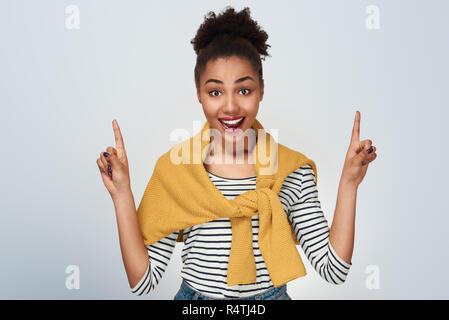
[228, 76]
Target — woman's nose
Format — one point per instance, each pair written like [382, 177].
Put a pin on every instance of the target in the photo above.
[231, 107]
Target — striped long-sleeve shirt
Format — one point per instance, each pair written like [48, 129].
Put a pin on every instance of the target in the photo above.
[206, 246]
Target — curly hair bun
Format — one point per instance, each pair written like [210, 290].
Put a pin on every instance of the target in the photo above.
[230, 24]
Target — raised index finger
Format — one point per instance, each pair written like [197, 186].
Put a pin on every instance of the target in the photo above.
[356, 128]
[118, 136]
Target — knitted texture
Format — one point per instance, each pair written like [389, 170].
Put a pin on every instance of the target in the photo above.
[180, 194]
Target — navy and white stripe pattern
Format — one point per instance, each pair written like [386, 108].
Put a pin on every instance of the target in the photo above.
[206, 246]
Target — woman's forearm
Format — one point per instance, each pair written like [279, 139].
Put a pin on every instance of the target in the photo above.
[134, 253]
[341, 233]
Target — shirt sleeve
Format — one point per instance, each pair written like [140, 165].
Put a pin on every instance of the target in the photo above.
[310, 226]
[159, 254]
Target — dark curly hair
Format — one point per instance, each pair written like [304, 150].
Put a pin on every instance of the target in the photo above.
[230, 33]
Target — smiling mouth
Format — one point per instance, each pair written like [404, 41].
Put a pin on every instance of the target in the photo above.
[232, 125]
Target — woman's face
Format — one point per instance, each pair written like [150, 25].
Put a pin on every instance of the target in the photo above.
[229, 87]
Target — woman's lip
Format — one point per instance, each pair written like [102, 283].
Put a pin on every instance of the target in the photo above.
[231, 118]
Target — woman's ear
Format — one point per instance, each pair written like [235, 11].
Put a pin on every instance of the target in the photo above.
[261, 90]
[198, 95]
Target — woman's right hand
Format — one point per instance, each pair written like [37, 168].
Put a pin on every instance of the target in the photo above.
[113, 165]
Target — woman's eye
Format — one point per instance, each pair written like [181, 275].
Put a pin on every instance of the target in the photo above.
[246, 90]
[213, 92]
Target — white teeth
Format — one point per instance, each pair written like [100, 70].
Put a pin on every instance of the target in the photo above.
[232, 121]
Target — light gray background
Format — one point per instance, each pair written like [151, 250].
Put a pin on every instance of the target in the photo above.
[60, 90]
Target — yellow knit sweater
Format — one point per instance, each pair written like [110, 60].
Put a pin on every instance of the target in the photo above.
[180, 194]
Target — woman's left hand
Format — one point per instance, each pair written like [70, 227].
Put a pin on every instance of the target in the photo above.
[359, 155]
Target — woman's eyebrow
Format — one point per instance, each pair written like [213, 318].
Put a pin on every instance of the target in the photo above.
[236, 81]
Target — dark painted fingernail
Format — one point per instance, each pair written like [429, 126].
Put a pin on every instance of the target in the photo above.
[106, 154]
[370, 150]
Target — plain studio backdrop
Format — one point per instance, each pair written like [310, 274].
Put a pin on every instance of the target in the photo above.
[61, 87]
